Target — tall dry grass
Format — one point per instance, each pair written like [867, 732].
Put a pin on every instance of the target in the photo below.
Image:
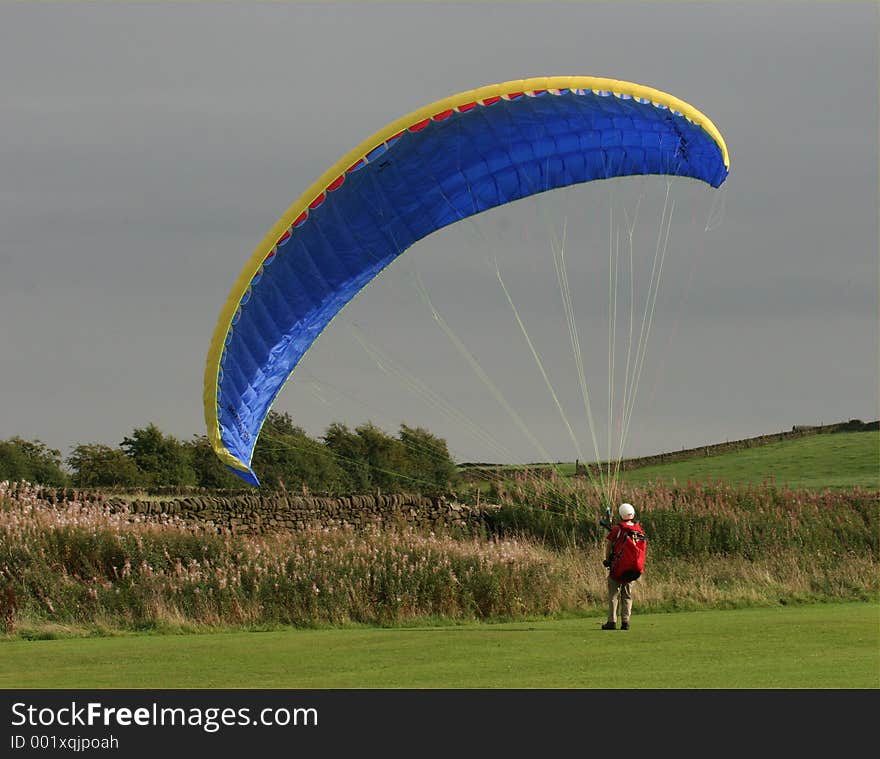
[76, 566]
[78, 563]
[700, 519]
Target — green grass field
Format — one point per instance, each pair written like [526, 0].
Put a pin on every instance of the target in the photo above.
[814, 646]
[839, 460]
[842, 460]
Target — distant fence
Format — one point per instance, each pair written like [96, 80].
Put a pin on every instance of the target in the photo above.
[480, 472]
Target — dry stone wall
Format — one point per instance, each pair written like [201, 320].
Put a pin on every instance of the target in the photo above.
[261, 514]
[255, 514]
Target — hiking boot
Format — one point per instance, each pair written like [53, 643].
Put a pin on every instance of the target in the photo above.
[624, 625]
[609, 626]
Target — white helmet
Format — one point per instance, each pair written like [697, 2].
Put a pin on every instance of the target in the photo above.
[626, 511]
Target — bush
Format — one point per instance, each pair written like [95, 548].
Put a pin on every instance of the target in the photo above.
[31, 461]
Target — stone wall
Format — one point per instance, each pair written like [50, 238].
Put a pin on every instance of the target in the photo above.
[254, 514]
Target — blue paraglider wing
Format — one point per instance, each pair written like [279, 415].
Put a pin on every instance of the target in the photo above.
[447, 161]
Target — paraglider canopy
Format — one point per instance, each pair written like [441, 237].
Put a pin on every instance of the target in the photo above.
[442, 163]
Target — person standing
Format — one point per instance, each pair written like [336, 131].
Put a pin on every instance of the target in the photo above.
[619, 591]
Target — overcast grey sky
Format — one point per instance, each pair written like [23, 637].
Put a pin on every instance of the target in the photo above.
[147, 148]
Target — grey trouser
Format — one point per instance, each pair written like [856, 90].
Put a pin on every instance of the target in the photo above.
[619, 591]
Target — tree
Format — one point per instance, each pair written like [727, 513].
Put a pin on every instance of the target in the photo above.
[31, 460]
[386, 457]
[210, 471]
[350, 453]
[285, 456]
[162, 459]
[428, 457]
[97, 465]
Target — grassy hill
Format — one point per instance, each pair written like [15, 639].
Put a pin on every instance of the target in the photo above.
[835, 456]
[840, 460]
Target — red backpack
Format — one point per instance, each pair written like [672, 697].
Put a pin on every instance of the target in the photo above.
[628, 552]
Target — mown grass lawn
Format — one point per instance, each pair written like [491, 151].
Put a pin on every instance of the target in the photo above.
[814, 646]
